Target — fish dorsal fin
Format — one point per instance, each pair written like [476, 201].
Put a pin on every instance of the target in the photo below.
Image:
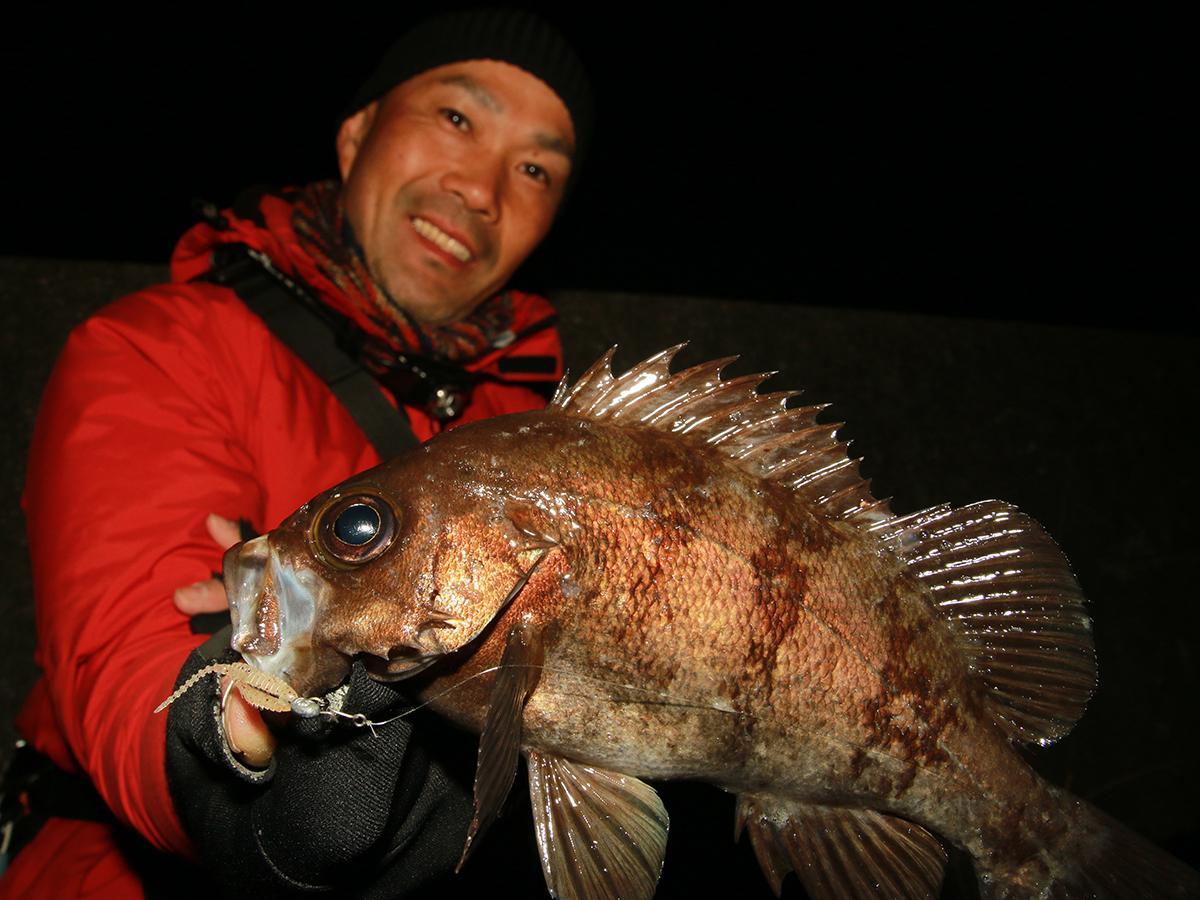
[1009, 596]
[756, 431]
[500, 742]
[601, 835]
[842, 854]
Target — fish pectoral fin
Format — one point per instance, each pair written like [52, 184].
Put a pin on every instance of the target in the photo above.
[841, 853]
[500, 742]
[601, 835]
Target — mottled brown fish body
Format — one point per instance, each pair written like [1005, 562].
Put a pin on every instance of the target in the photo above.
[703, 625]
[674, 577]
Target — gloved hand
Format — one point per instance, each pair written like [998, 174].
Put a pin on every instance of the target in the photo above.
[362, 811]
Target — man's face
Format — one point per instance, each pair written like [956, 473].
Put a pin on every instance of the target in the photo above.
[451, 179]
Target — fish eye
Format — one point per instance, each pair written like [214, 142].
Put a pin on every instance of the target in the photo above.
[354, 530]
[357, 524]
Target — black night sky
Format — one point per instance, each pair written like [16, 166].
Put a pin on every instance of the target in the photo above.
[988, 162]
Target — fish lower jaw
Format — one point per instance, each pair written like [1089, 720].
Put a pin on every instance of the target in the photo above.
[432, 233]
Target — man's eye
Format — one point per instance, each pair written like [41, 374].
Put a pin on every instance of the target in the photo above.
[536, 172]
[457, 119]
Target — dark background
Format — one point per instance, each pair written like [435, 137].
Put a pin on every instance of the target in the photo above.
[1020, 164]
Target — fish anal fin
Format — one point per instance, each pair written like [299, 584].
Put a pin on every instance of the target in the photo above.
[500, 742]
[1007, 593]
[601, 835]
[767, 847]
[842, 854]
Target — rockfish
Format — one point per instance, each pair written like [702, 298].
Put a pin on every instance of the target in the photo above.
[676, 577]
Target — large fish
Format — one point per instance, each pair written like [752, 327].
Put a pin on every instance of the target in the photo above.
[675, 577]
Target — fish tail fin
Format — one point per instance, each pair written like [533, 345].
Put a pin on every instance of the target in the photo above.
[1094, 857]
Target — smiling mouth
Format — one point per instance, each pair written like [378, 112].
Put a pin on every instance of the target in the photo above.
[432, 233]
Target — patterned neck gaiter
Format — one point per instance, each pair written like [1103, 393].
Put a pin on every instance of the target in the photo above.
[325, 234]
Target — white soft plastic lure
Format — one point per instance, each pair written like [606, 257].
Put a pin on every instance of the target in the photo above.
[260, 689]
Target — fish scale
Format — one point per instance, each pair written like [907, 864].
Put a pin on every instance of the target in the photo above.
[672, 576]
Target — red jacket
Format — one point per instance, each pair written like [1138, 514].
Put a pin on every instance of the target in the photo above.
[169, 404]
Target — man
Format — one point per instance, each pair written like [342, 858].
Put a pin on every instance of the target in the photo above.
[180, 401]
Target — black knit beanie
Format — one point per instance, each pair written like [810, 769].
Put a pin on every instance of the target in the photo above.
[512, 36]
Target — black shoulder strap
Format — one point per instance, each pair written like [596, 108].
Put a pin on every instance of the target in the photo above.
[311, 333]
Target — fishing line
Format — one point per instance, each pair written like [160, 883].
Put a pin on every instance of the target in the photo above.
[361, 721]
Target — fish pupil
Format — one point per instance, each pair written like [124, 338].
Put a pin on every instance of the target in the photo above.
[357, 525]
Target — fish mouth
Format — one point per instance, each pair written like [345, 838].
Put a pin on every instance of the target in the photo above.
[442, 240]
[273, 606]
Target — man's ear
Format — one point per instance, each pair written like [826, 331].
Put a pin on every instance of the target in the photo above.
[351, 135]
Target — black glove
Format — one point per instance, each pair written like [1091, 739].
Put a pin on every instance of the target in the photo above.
[366, 812]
